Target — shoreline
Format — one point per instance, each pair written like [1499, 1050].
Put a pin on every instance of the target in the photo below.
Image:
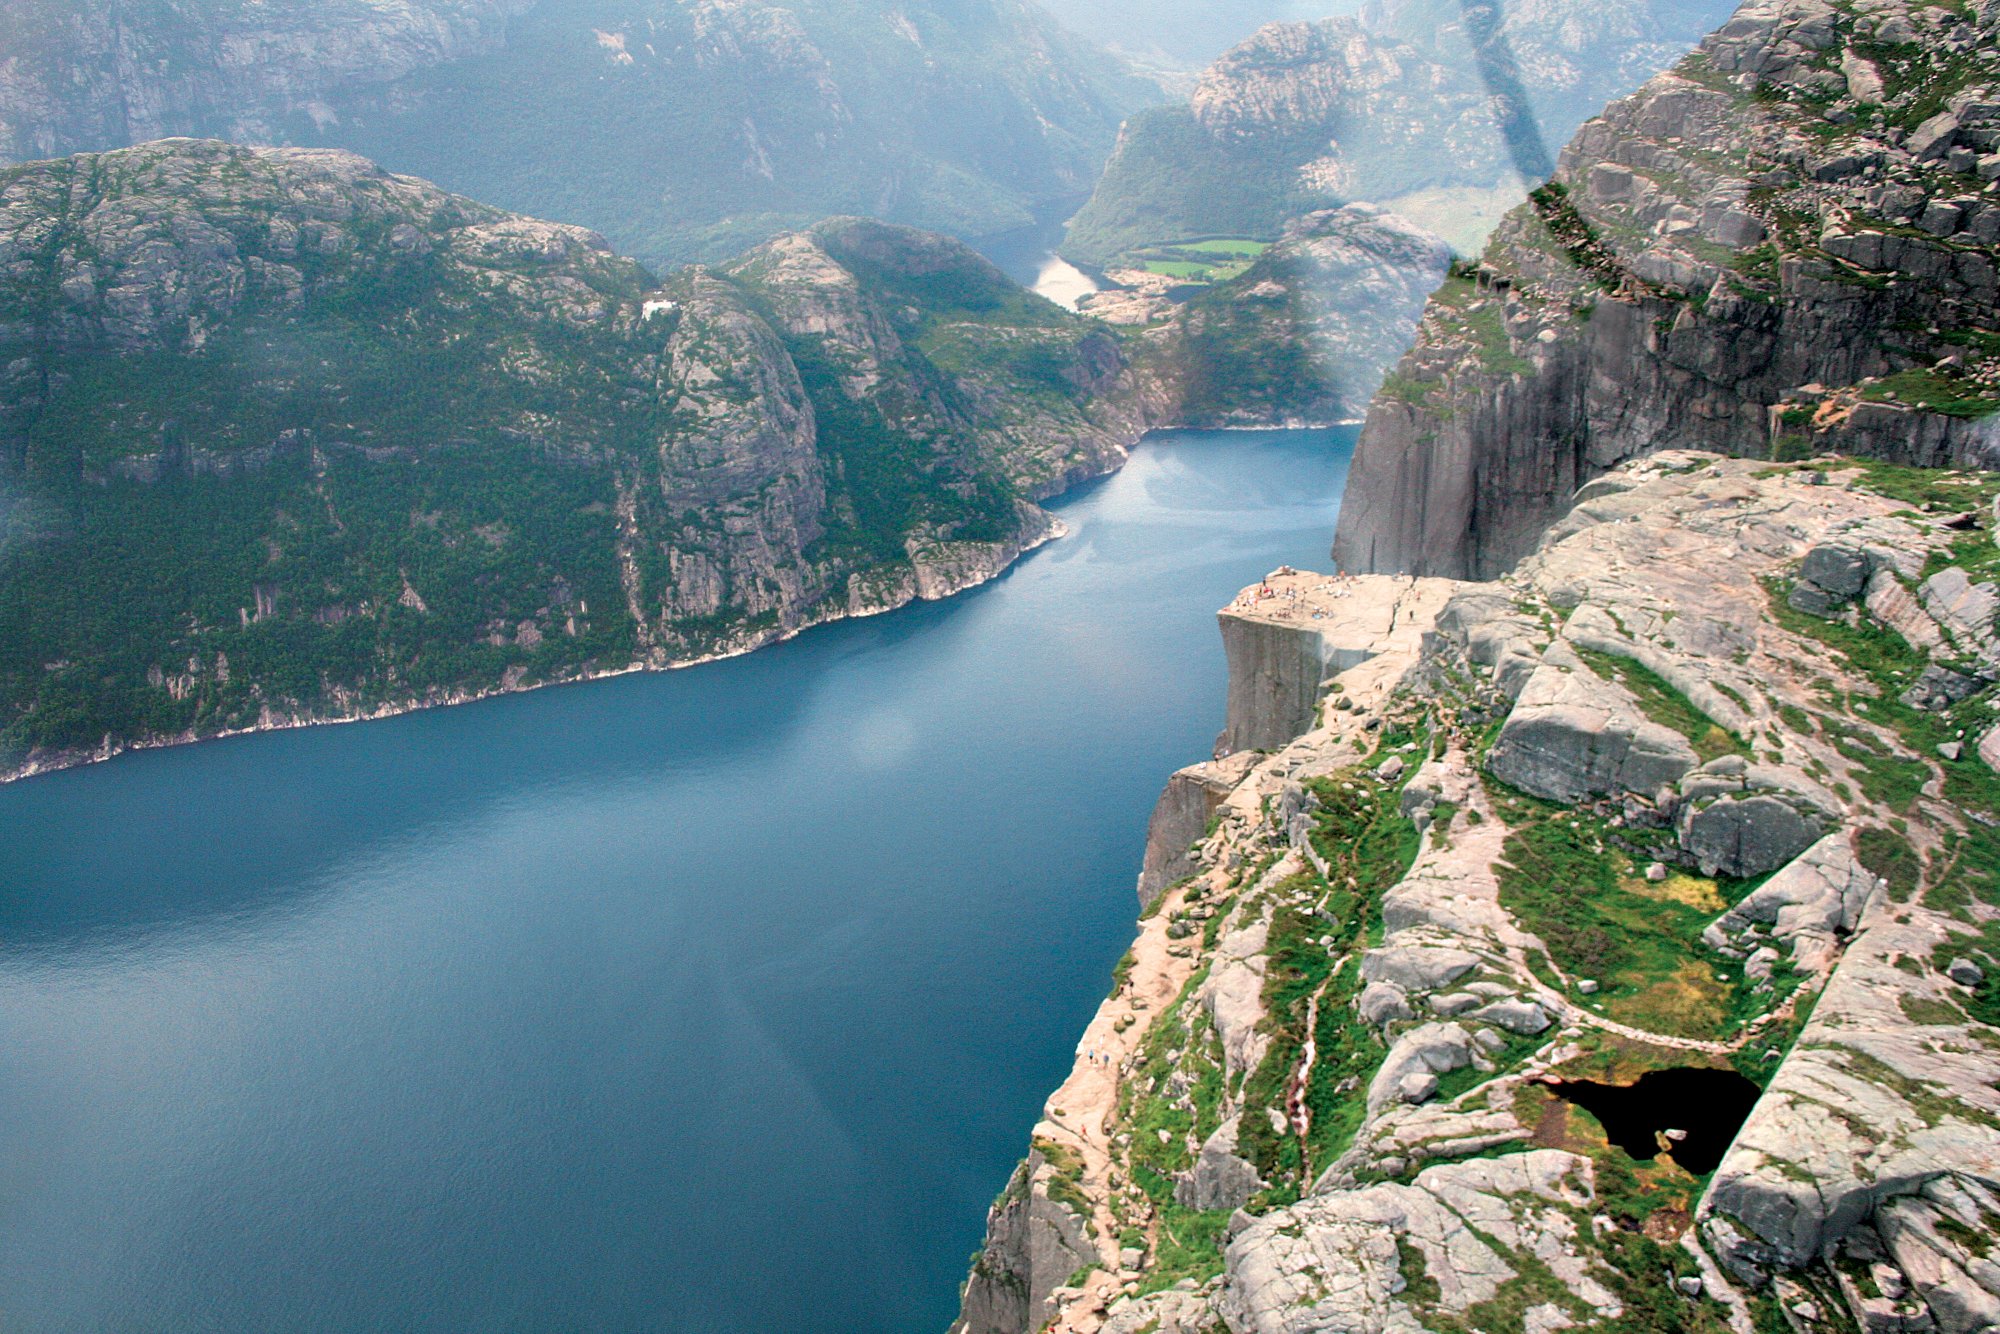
[1029, 541]
[77, 759]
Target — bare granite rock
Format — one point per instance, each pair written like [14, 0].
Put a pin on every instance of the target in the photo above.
[1572, 734]
[1711, 268]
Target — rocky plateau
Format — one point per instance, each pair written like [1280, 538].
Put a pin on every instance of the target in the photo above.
[1690, 787]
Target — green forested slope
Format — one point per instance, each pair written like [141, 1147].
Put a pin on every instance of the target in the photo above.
[283, 436]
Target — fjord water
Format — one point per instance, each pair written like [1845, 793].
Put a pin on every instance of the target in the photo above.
[718, 1001]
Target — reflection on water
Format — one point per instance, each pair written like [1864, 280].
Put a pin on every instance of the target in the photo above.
[717, 1001]
[1029, 257]
[1063, 282]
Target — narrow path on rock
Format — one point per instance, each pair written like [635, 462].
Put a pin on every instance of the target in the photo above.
[1570, 1012]
[1080, 1114]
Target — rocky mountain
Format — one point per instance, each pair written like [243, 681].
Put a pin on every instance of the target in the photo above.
[1302, 335]
[683, 129]
[1593, 919]
[1181, 34]
[1614, 944]
[284, 437]
[1785, 246]
[86, 74]
[1436, 110]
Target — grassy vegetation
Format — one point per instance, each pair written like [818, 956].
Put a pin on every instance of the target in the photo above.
[1981, 944]
[1937, 391]
[1889, 855]
[1064, 1182]
[1409, 389]
[1574, 234]
[1478, 316]
[1966, 866]
[1665, 705]
[1200, 261]
[1368, 846]
[1919, 488]
[1188, 1246]
[407, 484]
[1565, 881]
[1180, 1046]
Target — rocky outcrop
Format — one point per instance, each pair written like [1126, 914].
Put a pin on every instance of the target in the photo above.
[1814, 905]
[513, 455]
[1035, 1241]
[1457, 1224]
[1340, 1047]
[1744, 820]
[1275, 679]
[1717, 265]
[1220, 1178]
[1181, 818]
[1573, 735]
[1281, 659]
[1878, 1143]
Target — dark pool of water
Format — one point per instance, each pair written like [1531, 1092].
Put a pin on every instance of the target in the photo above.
[1710, 1106]
[716, 1002]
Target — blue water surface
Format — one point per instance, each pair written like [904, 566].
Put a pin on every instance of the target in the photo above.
[718, 1001]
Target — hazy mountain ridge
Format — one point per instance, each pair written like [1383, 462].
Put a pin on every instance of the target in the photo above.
[1185, 34]
[684, 129]
[1302, 335]
[285, 437]
[95, 74]
[1374, 108]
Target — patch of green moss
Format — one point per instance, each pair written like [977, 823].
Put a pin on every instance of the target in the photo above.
[1064, 1182]
[1661, 702]
[1563, 879]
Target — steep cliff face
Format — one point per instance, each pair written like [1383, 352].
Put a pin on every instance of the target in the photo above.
[1786, 245]
[1695, 806]
[1423, 107]
[683, 129]
[285, 437]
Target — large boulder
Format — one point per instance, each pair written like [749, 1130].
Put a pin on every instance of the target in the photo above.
[1414, 1062]
[1841, 568]
[1573, 735]
[1220, 1177]
[1741, 819]
[1812, 904]
[1965, 610]
[1522, 1017]
[1417, 967]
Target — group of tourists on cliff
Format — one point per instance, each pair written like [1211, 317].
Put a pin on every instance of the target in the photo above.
[1338, 586]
